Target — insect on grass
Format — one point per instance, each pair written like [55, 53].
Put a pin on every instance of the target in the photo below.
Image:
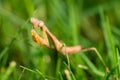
[60, 47]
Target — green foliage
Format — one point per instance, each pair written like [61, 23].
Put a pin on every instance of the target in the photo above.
[88, 23]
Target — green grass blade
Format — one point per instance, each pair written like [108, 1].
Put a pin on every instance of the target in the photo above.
[6, 49]
[9, 71]
[108, 38]
[92, 67]
[21, 74]
[118, 57]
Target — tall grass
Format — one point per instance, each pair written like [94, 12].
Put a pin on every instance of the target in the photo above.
[74, 22]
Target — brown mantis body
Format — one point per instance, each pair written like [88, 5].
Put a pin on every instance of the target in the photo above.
[56, 43]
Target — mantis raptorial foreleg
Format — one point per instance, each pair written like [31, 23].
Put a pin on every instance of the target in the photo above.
[38, 39]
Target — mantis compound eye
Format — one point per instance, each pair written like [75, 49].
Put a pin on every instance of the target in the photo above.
[36, 23]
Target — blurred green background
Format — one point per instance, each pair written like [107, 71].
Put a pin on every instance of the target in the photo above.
[89, 23]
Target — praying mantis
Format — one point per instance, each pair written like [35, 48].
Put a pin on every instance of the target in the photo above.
[59, 46]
